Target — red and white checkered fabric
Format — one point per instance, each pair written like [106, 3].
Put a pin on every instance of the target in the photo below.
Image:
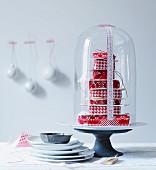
[103, 110]
[101, 64]
[103, 93]
[109, 122]
[101, 120]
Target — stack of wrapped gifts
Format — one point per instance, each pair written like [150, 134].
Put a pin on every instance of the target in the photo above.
[97, 102]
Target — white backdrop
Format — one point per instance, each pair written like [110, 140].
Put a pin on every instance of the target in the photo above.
[64, 20]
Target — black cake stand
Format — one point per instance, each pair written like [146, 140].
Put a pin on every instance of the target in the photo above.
[103, 146]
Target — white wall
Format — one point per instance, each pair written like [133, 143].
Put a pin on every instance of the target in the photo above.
[64, 20]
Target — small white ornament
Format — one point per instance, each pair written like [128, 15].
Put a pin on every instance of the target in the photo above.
[31, 86]
[49, 72]
[13, 72]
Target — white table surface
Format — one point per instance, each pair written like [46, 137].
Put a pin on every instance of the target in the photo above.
[136, 156]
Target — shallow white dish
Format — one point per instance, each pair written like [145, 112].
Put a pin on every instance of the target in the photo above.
[58, 157]
[36, 140]
[137, 124]
[58, 147]
[47, 152]
[64, 160]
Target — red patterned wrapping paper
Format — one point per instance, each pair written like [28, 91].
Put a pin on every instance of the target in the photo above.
[101, 55]
[103, 110]
[101, 120]
[101, 74]
[22, 141]
[102, 84]
[101, 64]
[103, 101]
[103, 93]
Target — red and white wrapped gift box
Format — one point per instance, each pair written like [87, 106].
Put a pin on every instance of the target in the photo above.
[102, 101]
[102, 84]
[117, 93]
[101, 55]
[101, 120]
[96, 109]
[99, 74]
[101, 64]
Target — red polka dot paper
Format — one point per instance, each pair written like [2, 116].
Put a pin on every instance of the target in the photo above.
[23, 140]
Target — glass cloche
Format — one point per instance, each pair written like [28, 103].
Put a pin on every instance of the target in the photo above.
[105, 78]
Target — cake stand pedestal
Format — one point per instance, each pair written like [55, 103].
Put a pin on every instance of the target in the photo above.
[103, 146]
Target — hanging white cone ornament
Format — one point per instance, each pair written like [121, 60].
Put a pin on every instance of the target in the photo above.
[31, 86]
[13, 72]
[49, 71]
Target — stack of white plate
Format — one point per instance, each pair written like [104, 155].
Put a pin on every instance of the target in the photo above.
[70, 152]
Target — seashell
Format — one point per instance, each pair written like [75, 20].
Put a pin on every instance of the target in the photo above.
[110, 160]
